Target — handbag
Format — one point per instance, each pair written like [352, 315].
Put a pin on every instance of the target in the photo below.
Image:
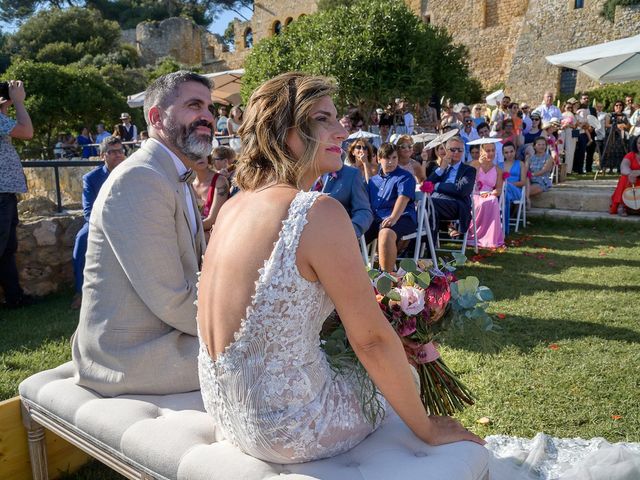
[631, 197]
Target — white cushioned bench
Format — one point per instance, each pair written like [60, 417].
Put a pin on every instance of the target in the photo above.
[172, 437]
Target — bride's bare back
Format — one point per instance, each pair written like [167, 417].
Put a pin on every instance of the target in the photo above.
[242, 240]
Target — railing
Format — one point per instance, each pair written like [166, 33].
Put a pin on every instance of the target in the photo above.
[56, 164]
[61, 163]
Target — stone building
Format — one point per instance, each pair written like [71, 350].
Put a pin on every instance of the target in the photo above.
[507, 39]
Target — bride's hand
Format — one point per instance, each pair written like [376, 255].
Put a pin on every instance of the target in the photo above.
[448, 430]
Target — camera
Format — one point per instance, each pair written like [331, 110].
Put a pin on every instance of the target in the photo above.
[4, 90]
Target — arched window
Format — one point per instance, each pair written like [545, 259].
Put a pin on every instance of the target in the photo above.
[277, 27]
[248, 38]
[288, 21]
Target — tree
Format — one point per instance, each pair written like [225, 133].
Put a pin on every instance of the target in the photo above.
[65, 36]
[128, 13]
[62, 98]
[389, 52]
[329, 4]
[229, 36]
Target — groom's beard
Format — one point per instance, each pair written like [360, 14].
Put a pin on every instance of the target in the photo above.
[194, 145]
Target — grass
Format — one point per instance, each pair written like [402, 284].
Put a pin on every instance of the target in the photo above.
[566, 361]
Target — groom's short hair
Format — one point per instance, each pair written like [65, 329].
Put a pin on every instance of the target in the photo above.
[163, 89]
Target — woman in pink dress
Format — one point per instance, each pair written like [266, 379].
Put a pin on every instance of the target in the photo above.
[486, 200]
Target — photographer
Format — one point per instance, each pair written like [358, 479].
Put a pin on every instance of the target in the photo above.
[617, 125]
[12, 181]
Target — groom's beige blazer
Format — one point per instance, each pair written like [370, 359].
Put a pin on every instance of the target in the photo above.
[137, 330]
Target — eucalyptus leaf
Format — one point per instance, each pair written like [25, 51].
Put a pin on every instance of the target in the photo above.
[409, 279]
[384, 284]
[408, 265]
[393, 295]
[485, 294]
[459, 258]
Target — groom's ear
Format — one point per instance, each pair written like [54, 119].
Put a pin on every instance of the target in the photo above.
[155, 117]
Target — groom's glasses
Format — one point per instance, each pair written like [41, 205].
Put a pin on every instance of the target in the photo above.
[454, 150]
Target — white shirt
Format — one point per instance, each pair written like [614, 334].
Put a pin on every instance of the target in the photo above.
[547, 113]
[409, 122]
[180, 167]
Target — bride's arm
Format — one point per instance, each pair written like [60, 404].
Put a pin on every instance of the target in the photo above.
[329, 249]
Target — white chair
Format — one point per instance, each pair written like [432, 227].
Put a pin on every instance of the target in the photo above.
[521, 215]
[365, 254]
[426, 220]
[463, 242]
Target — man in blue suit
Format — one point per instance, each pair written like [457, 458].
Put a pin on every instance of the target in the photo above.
[347, 186]
[453, 185]
[112, 153]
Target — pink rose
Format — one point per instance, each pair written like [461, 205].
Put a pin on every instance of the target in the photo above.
[505, 175]
[427, 187]
[411, 300]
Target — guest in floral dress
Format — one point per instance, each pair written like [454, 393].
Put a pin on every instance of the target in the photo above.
[540, 166]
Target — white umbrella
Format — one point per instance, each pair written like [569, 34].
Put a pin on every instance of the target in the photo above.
[362, 134]
[226, 88]
[610, 62]
[423, 137]
[495, 98]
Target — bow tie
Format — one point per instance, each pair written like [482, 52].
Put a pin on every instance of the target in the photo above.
[187, 176]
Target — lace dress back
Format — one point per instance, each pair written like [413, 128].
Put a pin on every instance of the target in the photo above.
[272, 391]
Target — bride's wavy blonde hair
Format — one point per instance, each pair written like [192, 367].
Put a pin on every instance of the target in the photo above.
[278, 105]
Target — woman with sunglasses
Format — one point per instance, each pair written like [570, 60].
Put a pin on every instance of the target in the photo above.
[360, 155]
[535, 130]
[405, 159]
[617, 125]
[478, 117]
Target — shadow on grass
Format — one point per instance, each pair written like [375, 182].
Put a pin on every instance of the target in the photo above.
[526, 333]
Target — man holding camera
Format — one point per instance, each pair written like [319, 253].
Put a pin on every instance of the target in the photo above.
[12, 181]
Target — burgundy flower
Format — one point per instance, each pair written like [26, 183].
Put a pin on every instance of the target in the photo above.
[427, 187]
[407, 327]
[505, 175]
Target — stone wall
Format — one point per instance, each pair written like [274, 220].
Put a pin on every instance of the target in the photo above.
[41, 183]
[176, 37]
[45, 248]
[545, 33]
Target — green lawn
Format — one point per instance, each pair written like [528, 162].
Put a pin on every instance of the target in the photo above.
[566, 362]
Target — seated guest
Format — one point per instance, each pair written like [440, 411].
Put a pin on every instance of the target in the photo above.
[630, 175]
[137, 331]
[112, 154]
[405, 160]
[485, 132]
[391, 194]
[85, 139]
[540, 166]
[517, 178]
[347, 186]
[212, 190]
[360, 155]
[486, 200]
[474, 153]
[453, 185]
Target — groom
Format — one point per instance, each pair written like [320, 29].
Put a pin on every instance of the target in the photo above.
[137, 330]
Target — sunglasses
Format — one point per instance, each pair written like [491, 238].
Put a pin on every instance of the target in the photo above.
[454, 150]
[405, 145]
[115, 150]
[219, 159]
[360, 147]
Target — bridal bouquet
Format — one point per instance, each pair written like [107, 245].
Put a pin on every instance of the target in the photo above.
[421, 303]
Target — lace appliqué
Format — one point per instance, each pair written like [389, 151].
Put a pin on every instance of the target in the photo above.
[272, 391]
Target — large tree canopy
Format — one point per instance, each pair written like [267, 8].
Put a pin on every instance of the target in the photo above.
[62, 98]
[65, 36]
[128, 13]
[375, 49]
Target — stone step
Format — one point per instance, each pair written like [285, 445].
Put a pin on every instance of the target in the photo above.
[579, 195]
[580, 215]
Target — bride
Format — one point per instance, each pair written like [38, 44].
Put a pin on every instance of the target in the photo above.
[279, 259]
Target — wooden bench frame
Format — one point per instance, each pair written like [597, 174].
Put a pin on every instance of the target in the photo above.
[36, 419]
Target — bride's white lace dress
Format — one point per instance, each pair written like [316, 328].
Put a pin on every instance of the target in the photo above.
[273, 394]
[272, 391]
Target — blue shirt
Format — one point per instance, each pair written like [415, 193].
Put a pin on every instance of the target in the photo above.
[453, 171]
[384, 190]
